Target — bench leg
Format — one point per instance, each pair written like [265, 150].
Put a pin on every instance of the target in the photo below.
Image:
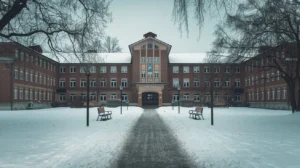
[98, 118]
[202, 117]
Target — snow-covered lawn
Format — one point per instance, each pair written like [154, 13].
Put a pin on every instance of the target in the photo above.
[58, 137]
[240, 138]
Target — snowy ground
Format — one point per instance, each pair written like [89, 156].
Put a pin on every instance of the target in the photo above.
[240, 138]
[59, 137]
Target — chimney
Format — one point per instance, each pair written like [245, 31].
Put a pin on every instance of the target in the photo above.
[36, 48]
[150, 34]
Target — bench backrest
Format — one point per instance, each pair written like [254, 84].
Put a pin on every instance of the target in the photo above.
[101, 110]
[199, 109]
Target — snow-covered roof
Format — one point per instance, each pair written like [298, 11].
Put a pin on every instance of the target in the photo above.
[91, 57]
[187, 57]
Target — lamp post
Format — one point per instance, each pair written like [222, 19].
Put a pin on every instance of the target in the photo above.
[88, 98]
[121, 89]
[178, 90]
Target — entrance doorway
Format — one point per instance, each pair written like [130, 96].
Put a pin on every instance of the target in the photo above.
[150, 98]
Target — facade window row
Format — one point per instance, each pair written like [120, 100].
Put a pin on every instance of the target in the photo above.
[206, 69]
[92, 69]
[93, 97]
[93, 83]
[21, 93]
[196, 83]
[36, 77]
[271, 94]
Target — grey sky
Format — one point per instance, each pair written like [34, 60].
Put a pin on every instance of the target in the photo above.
[133, 18]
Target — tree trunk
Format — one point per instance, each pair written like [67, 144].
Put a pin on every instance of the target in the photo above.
[212, 104]
[88, 100]
[292, 96]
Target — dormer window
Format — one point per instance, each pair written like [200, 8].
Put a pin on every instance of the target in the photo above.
[150, 46]
[143, 47]
[156, 47]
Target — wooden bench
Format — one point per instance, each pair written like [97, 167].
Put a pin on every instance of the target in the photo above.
[220, 104]
[103, 115]
[197, 113]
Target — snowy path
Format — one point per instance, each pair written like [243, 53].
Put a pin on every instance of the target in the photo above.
[151, 144]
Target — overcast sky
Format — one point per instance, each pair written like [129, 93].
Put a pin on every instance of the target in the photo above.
[133, 18]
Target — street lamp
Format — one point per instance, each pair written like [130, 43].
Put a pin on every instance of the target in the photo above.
[178, 89]
[88, 97]
[121, 89]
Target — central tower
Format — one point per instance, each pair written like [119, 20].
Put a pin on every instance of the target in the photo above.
[150, 68]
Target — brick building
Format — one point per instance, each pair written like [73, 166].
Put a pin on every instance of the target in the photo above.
[149, 74]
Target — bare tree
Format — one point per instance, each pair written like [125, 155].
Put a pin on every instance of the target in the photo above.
[111, 45]
[268, 28]
[53, 20]
[182, 9]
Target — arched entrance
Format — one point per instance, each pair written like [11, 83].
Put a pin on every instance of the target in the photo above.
[150, 98]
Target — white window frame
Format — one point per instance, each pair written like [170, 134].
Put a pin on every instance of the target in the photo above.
[113, 69]
[72, 82]
[196, 69]
[72, 69]
[186, 82]
[113, 82]
[186, 69]
[102, 69]
[175, 82]
[175, 69]
[123, 69]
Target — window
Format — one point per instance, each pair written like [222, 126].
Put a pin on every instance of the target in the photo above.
[62, 83]
[15, 93]
[124, 69]
[262, 78]
[249, 81]
[21, 74]
[175, 69]
[196, 82]
[92, 97]
[237, 69]
[93, 82]
[36, 61]
[31, 76]
[102, 97]
[206, 69]
[124, 83]
[149, 74]
[278, 93]
[253, 96]
[16, 73]
[284, 93]
[156, 60]
[92, 69]
[102, 69]
[273, 94]
[30, 95]
[72, 97]
[27, 58]
[62, 69]
[150, 46]
[149, 60]
[175, 97]
[113, 83]
[35, 95]
[41, 63]
[143, 74]
[262, 62]
[175, 82]
[44, 95]
[186, 82]
[206, 83]
[196, 97]
[272, 76]
[72, 82]
[82, 82]
[124, 97]
[262, 95]
[217, 83]
[156, 47]
[41, 79]
[227, 83]
[252, 80]
[53, 82]
[268, 94]
[36, 77]
[257, 95]
[26, 94]
[237, 83]
[278, 75]
[22, 56]
[186, 96]
[217, 69]
[62, 97]
[156, 74]
[113, 69]
[143, 60]
[45, 80]
[103, 83]
[256, 79]
[227, 70]
[186, 69]
[72, 69]
[16, 54]
[83, 97]
[196, 69]
[268, 76]
[237, 98]
[113, 96]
